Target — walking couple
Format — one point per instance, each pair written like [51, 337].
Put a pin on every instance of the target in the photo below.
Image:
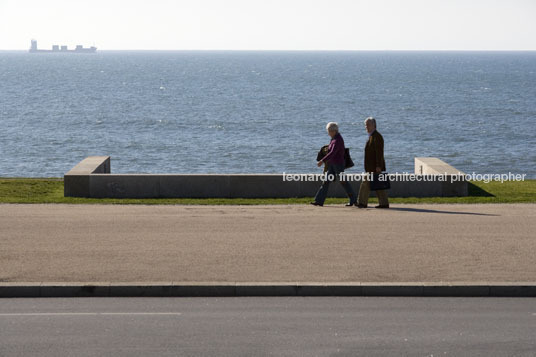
[335, 165]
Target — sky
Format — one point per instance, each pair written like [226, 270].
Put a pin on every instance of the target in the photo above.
[271, 24]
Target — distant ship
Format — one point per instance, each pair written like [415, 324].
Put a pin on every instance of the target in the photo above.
[62, 49]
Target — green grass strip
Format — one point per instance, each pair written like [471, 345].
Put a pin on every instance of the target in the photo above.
[50, 190]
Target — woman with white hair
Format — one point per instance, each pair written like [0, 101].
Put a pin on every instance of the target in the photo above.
[335, 162]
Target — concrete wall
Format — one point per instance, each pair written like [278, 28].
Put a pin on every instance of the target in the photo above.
[91, 178]
[77, 180]
[434, 166]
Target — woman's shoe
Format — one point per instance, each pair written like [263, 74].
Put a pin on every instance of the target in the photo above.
[314, 203]
[351, 204]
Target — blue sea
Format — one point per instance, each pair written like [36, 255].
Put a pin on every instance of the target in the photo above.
[264, 112]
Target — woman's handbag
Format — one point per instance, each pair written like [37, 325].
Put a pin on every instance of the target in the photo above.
[348, 162]
[380, 181]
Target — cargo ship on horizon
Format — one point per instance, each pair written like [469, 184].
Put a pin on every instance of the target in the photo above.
[62, 49]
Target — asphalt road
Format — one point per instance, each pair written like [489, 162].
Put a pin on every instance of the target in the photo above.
[298, 243]
[268, 326]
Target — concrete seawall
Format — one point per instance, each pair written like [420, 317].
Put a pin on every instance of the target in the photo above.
[77, 180]
[92, 177]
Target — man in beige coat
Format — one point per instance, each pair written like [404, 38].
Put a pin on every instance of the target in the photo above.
[374, 163]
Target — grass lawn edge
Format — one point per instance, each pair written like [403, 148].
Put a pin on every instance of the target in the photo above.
[21, 190]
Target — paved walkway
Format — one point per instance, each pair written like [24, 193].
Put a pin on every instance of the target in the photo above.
[408, 243]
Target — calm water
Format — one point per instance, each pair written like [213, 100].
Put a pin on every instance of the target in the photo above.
[264, 112]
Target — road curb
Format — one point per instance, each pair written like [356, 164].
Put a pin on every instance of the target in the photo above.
[222, 289]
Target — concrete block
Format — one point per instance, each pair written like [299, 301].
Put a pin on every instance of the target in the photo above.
[194, 186]
[204, 290]
[141, 289]
[73, 290]
[434, 166]
[15, 289]
[456, 290]
[76, 182]
[515, 290]
[76, 186]
[261, 186]
[387, 289]
[403, 187]
[455, 188]
[229, 289]
[92, 178]
[342, 289]
[92, 164]
[124, 186]
[266, 289]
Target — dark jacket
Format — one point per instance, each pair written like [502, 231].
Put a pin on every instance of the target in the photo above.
[374, 153]
[335, 153]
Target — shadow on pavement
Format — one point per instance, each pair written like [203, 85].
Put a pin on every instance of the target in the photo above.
[423, 210]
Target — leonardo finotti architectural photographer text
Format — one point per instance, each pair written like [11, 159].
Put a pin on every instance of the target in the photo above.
[486, 178]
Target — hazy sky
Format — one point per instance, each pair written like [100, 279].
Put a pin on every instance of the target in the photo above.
[271, 24]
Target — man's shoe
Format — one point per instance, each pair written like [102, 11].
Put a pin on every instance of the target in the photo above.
[382, 206]
[314, 203]
[359, 205]
[351, 204]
